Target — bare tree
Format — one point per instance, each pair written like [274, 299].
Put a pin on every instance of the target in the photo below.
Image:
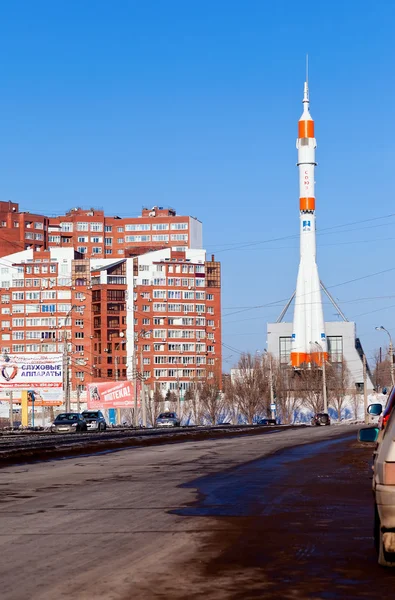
[355, 400]
[192, 402]
[249, 389]
[309, 387]
[338, 382]
[155, 406]
[212, 402]
[288, 397]
[382, 370]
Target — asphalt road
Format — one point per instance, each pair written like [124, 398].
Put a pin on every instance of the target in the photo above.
[239, 518]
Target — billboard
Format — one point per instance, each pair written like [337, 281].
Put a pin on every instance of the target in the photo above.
[113, 394]
[24, 372]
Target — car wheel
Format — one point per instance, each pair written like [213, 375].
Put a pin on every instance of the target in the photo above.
[99, 427]
[386, 559]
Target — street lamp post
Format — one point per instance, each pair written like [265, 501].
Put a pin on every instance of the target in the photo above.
[323, 361]
[381, 328]
[66, 374]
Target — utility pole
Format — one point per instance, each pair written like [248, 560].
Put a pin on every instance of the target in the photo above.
[324, 381]
[134, 374]
[116, 359]
[66, 374]
[273, 410]
[78, 399]
[365, 391]
[12, 409]
[391, 352]
[178, 396]
[143, 404]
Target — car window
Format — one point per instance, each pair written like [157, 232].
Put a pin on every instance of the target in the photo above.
[67, 417]
[90, 415]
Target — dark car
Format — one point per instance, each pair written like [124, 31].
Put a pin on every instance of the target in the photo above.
[95, 420]
[69, 423]
[168, 419]
[321, 419]
[267, 422]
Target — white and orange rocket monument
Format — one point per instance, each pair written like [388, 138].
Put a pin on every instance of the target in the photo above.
[309, 344]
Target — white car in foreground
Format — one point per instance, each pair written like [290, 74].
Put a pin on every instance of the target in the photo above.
[383, 488]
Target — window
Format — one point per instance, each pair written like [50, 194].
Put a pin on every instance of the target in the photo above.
[79, 348]
[83, 239]
[160, 333]
[138, 238]
[7, 323]
[20, 296]
[146, 308]
[200, 295]
[82, 226]
[200, 308]
[210, 310]
[96, 226]
[138, 227]
[96, 240]
[17, 323]
[20, 348]
[81, 249]
[108, 228]
[54, 239]
[108, 251]
[157, 294]
[48, 308]
[66, 227]
[160, 226]
[18, 335]
[121, 251]
[120, 240]
[335, 348]
[160, 238]
[285, 344]
[120, 229]
[16, 224]
[179, 226]
[96, 250]
[146, 321]
[146, 348]
[79, 335]
[179, 237]
[159, 281]
[210, 297]
[108, 241]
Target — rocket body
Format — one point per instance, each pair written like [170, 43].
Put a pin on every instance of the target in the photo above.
[309, 344]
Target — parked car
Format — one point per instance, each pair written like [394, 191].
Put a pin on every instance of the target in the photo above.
[69, 423]
[321, 419]
[383, 485]
[168, 419]
[266, 422]
[95, 420]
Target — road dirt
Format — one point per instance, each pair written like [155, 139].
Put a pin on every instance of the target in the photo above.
[279, 516]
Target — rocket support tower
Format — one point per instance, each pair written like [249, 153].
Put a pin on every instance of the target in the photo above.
[309, 344]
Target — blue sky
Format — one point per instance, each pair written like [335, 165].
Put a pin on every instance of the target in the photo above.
[195, 105]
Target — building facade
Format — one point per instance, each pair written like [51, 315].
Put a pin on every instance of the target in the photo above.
[152, 310]
[92, 233]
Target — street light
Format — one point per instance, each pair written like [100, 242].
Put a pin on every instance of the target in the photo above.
[142, 334]
[66, 375]
[272, 403]
[323, 375]
[381, 328]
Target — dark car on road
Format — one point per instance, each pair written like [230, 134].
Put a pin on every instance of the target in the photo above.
[69, 423]
[266, 422]
[95, 420]
[168, 419]
[321, 419]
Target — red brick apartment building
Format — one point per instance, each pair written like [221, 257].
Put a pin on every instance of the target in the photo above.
[154, 299]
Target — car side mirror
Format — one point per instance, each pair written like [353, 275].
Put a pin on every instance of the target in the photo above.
[368, 435]
[375, 409]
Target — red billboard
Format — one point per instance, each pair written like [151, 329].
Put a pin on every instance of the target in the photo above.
[113, 394]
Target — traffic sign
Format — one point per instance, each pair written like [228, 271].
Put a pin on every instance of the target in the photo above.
[273, 407]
